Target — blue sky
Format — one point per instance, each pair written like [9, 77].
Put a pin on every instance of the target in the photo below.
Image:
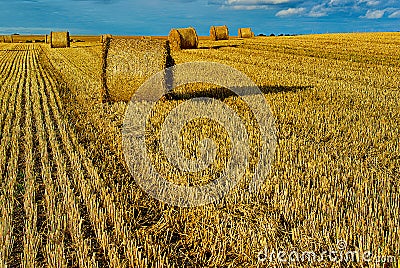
[156, 17]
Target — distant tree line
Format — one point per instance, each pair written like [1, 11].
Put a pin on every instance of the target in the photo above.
[272, 34]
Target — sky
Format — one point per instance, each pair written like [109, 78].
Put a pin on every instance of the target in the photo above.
[157, 17]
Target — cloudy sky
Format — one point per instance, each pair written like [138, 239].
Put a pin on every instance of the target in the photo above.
[156, 17]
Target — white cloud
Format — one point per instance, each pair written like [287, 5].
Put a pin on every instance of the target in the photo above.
[257, 2]
[340, 2]
[290, 12]
[395, 14]
[317, 14]
[370, 9]
[369, 2]
[251, 4]
[374, 14]
[247, 7]
[318, 11]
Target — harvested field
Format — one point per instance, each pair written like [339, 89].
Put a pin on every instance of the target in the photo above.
[44, 165]
[68, 200]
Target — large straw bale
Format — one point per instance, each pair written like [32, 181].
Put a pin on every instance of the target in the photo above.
[245, 33]
[59, 39]
[184, 38]
[104, 37]
[219, 33]
[128, 63]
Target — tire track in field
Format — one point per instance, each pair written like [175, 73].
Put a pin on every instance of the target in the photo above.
[106, 213]
[80, 246]
[9, 156]
[9, 69]
[17, 158]
[106, 217]
[43, 187]
[54, 246]
[112, 214]
[31, 237]
[87, 182]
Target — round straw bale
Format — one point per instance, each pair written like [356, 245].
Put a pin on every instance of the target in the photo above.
[219, 33]
[59, 39]
[104, 37]
[245, 33]
[8, 39]
[128, 63]
[184, 38]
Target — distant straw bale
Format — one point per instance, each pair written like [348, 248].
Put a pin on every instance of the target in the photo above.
[8, 39]
[219, 33]
[183, 38]
[128, 63]
[59, 39]
[47, 39]
[245, 33]
[104, 37]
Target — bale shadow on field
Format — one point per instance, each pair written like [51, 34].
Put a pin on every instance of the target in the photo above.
[223, 93]
[86, 46]
[283, 89]
[16, 50]
[218, 47]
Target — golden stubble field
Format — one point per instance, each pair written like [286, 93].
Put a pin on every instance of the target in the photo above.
[67, 199]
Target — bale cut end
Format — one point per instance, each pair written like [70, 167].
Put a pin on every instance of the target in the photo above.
[184, 38]
[128, 63]
[59, 39]
[245, 33]
[219, 33]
